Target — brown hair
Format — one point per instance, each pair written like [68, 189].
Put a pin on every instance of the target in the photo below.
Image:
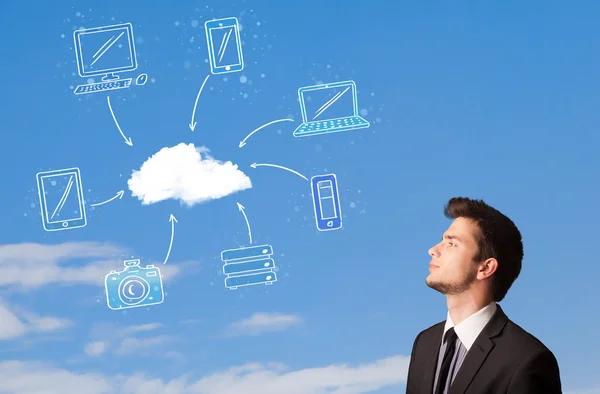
[498, 238]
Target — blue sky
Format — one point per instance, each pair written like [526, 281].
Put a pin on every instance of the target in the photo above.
[497, 102]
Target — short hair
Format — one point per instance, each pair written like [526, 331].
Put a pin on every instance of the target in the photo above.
[498, 237]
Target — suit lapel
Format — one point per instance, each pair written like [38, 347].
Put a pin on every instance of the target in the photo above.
[433, 351]
[481, 348]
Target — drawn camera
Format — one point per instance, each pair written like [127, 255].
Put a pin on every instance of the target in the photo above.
[134, 287]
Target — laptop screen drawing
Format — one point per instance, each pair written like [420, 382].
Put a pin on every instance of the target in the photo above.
[328, 103]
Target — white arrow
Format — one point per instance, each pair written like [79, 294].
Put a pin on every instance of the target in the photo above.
[119, 196]
[192, 123]
[241, 208]
[262, 127]
[254, 165]
[127, 140]
[172, 220]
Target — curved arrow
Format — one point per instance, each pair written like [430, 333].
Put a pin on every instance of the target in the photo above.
[172, 220]
[262, 127]
[241, 208]
[119, 196]
[192, 123]
[254, 165]
[127, 140]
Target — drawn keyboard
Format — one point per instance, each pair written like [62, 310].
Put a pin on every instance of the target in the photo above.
[329, 126]
[103, 86]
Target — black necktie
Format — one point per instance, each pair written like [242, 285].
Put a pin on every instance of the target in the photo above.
[450, 339]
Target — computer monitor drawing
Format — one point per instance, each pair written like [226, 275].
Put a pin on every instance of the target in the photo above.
[329, 108]
[106, 51]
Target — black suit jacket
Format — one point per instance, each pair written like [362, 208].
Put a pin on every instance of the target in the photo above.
[503, 359]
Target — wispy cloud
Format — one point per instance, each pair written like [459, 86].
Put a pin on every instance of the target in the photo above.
[97, 348]
[34, 378]
[141, 346]
[40, 253]
[125, 341]
[29, 266]
[140, 328]
[260, 323]
[17, 324]
[37, 378]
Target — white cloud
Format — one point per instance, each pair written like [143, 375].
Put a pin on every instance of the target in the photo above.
[34, 378]
[28, 266]
[141, 346]
[96, 349]
[113, 332]
[263, 322]
[14, 325]
[141, 328]
[126, 341]
[69, 250]
[188, 174]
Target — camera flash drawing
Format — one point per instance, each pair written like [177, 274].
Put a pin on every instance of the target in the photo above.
[134, 287]
[61, 199]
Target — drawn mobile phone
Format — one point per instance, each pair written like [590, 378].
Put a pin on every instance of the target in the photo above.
[61, 199]
[326, 201]
[224, 45]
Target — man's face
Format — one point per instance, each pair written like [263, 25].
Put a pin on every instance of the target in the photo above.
[452, 269]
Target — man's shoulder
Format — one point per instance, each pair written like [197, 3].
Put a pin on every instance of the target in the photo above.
[432, 331]
[519, 338]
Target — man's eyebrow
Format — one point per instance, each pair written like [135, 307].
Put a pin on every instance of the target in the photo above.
[450, 236]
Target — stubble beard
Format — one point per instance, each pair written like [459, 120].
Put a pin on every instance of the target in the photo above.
[453, 288]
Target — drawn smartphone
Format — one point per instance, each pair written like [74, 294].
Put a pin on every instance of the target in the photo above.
[61, 199]
[326, 201]
[224, 45]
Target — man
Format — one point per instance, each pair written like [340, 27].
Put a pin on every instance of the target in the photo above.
[478, 350]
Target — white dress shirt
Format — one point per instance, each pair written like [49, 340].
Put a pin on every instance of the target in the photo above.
[467, 332]
[469, 329]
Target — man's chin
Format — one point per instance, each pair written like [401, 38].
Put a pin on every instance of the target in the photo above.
[430, 282]
[431, 278]
[435, 285]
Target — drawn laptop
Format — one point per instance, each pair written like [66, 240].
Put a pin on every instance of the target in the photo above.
[329, 108]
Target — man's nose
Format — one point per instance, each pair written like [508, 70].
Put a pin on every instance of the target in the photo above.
[433, 251]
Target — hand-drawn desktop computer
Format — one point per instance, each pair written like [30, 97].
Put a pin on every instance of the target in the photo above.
[107, 51]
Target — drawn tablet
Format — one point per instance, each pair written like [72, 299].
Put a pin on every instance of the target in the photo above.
[61, 199]
[224, 45]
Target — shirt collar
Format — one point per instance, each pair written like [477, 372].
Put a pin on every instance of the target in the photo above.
[469, 329]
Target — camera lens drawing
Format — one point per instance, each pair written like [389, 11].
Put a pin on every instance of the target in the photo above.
[108, 51]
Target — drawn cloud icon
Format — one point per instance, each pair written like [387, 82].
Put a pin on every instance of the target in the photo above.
[188, 174]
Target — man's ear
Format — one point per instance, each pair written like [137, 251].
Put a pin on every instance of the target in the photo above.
[487, 268]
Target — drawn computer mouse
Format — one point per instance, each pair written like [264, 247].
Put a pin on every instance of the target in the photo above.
[141, 79]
